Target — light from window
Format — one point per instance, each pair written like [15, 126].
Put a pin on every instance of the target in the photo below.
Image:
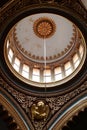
[68, 69]
[25, 71]
[47, 75]
[10, 55]
[77, 63]
[76, 60]
[16, 64]
[36, 75]
[7, 43]
[81, 50]
[58, 73]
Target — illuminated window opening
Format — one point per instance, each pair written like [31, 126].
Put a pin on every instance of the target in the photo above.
[77, 63]
[81, 50]
[8, 43]
[36, 75]
[25, 71]
[16, 64]
[47, 75]
[68, 69]
[76, 60]
[58, 73]
[10, 55]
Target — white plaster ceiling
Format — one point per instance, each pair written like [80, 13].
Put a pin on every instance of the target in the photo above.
[33, 44]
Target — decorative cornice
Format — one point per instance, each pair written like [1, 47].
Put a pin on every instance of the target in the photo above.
[57, 57]
[71, 48]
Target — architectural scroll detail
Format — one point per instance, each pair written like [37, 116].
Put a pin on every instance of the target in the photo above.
[55, 103]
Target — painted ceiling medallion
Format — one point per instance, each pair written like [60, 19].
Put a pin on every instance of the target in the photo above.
[44, 27]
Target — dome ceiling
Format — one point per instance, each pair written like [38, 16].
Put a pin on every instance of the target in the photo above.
[45, 48]
[43, 64]
[56, 31]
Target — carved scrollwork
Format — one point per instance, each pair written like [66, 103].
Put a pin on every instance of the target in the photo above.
[55, 103]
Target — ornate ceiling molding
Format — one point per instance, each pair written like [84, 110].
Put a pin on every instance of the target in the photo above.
[44, 27]
[69, 49]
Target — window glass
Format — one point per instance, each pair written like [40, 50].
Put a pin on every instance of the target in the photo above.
[77, 63]
[68, 69]
[10, 55]
[7, 43]
[58, 73]
[47, 75]
[36, 75]
[25, 71]
[76, 60]
[16, 64]
[57, 70]
[81, 50]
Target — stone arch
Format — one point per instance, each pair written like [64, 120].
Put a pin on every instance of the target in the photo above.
[71, 112]
[77, 121]
[10, 116]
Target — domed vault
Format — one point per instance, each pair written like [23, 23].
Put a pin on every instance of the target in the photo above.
[43, 63]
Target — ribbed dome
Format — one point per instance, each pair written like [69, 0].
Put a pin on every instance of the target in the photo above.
[45, 48]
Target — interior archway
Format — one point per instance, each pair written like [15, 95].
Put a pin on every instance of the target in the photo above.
[78, 122]
[65, 121]
[9, 116]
